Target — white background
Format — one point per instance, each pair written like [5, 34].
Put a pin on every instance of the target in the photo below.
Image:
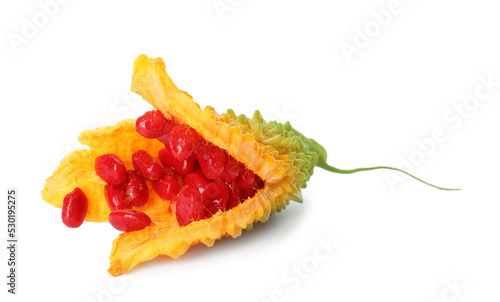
[400, 243]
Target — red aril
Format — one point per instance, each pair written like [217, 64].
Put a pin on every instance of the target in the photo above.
[246, 179]
[151, 124]
[167, 187]
[129, 220]
[110, 169]
[215, 198]
[116, 198]
[181, 167]
[212, 160]
[182, 141]
[136, 189]
[188, 205]
[196, 179]
[165, 136]
[231, 170]
[147, 165]
[74, 208]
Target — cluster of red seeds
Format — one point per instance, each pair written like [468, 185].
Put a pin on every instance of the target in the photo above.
[198, 177]
[126, 189]
[210, 180]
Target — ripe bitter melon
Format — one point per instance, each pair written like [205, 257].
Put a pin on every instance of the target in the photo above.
[280, 155]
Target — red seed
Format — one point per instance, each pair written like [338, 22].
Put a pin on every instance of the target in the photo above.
[212, 160]
[181, 167]
[168, 186]
[74, 208]
[246, 179]
[188, 205]
[151, 124]
[215, 198]
[129, 220]
[147, 165]
[234, 195]
[116, 198]
[231, 170]
[165, 136]
[136, 189]
[111, 169]
[182, 141]
[196, 179]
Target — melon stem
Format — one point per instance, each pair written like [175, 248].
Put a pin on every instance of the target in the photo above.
[324, 165]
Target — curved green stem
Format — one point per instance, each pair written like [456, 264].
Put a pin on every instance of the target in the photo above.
[324, 165]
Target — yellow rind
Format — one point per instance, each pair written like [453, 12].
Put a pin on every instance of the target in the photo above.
[151, 81]
[132, 248]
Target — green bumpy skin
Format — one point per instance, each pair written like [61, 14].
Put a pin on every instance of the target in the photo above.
[303, 152]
